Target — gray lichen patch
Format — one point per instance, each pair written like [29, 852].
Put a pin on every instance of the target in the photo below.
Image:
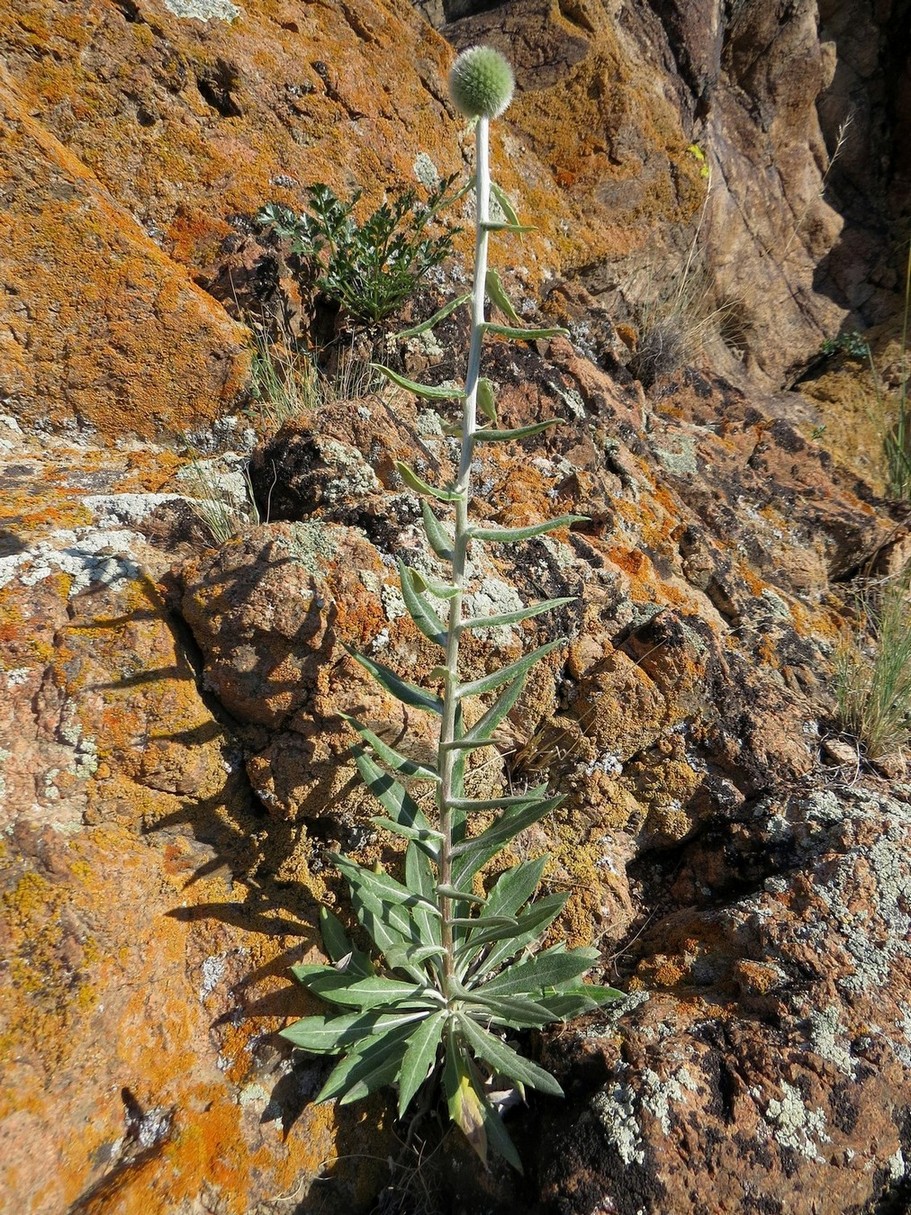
[824, 1030]
[204, 10]
[794, 1126]
[614, 1108]
[657, 1094]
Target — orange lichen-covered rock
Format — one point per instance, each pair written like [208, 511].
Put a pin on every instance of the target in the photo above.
[102, 329]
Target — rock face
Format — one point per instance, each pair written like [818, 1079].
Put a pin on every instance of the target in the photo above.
[173, 761]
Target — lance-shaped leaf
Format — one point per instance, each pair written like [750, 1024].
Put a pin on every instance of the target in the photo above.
[519, 333]
[480, 733]
[419, 878]
[511, 535]
[576, 1001]
[380, 904]
[329, 1035]
[379, 991]
[403, 810]
[426, 839]
[514, 1012]
[420, 1057]
[470, 855]
[435, 319]
[439, 590]
[339, 948]
[513, 889]
[437, 537]
[506, 674]
[402, 957]
[432, 392]
[485, 435]
[420, 611]
[465, 1103]
[505, 1061]
[389, 756]
[533, 923]
[505, 204]
[453, 892]
[420, 486]
[526, 613]
[497, 293]
[547, 970]
[406, 692]
[495, 225]
[375, 1064]
[509, 800]
[487, 401]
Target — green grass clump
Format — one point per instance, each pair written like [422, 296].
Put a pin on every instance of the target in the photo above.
[874, 690]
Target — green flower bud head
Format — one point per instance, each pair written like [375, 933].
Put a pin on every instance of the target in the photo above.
[481, 82]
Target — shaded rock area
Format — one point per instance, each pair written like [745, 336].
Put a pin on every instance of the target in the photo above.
[174, 638]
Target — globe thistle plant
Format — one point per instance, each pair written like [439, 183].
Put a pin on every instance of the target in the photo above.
[452, 974]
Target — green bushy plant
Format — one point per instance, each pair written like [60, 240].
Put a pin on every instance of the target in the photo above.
[453, 968]
[369, 268]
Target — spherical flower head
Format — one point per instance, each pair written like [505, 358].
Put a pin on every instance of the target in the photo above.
[481, 82]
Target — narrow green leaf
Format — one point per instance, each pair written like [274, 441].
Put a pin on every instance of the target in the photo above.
[504, 1059]
[376, 990]
[427, 840]
[393, 797]
[420, 610]
[514, 888]
[480, 733]
[437, 538]
[505, 204]
[452, 892]
[487, 683]
[509, 1011]
[508, 436]
[339, 947]
[545, 970]
[498, 295]
[388, 755]
[406, 692]
[496, 226]
[526, 613]
[486, 399]
[472, 854]
[496, 921]
[533, 923]
[380, 911]
[401, 957]
[419, 877]
[577, 1001]
[445, 311]
[511, 535]
[329, 1035]
[430, 391]
[374, 1064]
[509, 800]
[420, 486]
[518, 333]
[419, 1057]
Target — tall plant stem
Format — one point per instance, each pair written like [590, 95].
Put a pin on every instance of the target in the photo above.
[447, 756]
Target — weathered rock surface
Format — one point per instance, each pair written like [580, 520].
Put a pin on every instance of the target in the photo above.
[770, 1052]
[173, 759]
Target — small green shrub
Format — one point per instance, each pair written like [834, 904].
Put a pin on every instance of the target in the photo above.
[874, 690]
[368, 268]
[455, 967]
